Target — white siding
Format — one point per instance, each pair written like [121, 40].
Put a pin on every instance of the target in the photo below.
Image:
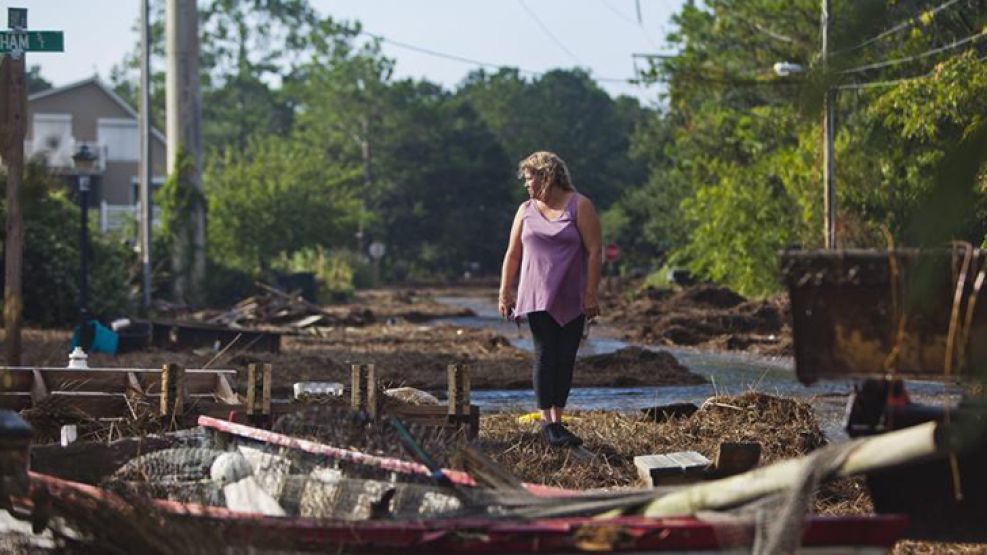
[119, 136]
[51, 134]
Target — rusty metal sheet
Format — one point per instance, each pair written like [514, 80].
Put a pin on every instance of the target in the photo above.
[847, 307]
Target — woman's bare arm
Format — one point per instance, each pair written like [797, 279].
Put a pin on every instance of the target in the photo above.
[512, 262]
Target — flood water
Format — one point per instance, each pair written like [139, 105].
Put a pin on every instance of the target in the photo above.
[728, 372]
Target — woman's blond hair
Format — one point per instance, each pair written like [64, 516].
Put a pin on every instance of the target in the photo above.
[550, 170]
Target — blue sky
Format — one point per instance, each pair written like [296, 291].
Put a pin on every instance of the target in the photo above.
[599, 35]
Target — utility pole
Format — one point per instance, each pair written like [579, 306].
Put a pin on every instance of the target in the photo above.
[14, 44]
[829, 196]
[184, 127]
[145, 157]
[12, 81]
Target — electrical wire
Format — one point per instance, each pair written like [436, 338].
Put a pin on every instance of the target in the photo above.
[639, 25]
[480, 63]
[926, 54]
[891, 82]
[548, 32]
[899, 27]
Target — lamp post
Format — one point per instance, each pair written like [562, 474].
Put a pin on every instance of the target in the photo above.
[84, 160]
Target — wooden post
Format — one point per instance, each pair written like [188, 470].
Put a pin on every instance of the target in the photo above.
[259, 389]
[265, 406]
[459, 392]
[174, 390]
[13, 98]
[363, 388]
[251, 387]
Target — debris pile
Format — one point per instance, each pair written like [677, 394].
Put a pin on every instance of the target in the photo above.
[707, 316]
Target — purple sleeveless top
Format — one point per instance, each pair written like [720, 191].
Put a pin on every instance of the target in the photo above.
[553, 264]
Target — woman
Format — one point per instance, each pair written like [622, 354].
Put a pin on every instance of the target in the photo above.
[555, 243]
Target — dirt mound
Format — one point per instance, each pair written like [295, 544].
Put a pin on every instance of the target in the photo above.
[705, 316]
[636, 366]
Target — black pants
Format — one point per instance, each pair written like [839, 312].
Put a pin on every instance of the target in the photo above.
[555, 356]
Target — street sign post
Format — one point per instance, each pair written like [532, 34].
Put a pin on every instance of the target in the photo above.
[13, 113]
[32, 41]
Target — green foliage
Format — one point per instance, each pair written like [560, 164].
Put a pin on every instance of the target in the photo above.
[338, 273]
[50, 271]
[566, 112]
[274, 198]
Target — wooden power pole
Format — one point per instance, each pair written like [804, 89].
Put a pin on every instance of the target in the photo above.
[13, 115]
[14, 108]
[184, 125]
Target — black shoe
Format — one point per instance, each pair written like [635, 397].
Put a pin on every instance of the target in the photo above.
[568, 438]
[553, 433]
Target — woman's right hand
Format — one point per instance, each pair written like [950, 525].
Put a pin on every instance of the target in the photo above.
[505, 305]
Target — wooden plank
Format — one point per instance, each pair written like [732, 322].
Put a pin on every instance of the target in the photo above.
[174, 390]
[733, 458]
[671, 468]
[134, 385]
[224, 392]
[251, 388]
[109, 380]
[456, 391]
[363, 388]
[39, 390]
[266, 390]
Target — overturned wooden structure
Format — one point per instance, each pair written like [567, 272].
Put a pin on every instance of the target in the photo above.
[114, 392]
[457, 413]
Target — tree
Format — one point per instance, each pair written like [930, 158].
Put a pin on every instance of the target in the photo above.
[35, 82]
[447, 199]
[275, 197]
[566, 112]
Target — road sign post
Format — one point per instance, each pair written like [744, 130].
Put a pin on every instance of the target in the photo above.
[13, 112]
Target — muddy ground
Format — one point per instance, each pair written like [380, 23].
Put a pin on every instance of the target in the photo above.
[386, 330]
[702, 316]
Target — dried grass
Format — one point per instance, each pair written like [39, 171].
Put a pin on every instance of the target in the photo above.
[784, 427]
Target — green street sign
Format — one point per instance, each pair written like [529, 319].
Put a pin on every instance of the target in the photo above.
[32, 41]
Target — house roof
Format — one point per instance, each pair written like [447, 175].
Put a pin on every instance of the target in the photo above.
[94, 80]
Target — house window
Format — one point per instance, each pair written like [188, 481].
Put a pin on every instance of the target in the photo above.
[51, 134]
[119, 136]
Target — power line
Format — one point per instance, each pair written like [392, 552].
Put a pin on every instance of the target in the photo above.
[480, 63]
[891, 82]
[548, 32]
[926, 54]
[630, 21]
[899, 27]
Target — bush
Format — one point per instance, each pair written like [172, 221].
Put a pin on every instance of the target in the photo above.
[50, 271]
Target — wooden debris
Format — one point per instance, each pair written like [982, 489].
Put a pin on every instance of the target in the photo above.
[682, 467]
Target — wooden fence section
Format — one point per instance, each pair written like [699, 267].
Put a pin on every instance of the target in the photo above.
[111, 392]
[457, 413]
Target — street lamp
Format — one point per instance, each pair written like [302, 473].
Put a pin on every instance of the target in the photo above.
[85, 161]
